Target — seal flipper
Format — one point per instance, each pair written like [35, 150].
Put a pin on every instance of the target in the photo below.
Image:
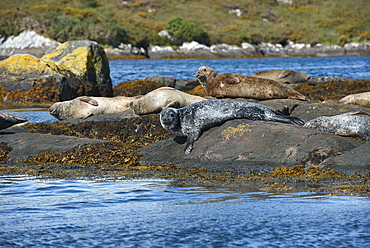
[284, 74]
[192, 137]
[173, 104]
[88, 100]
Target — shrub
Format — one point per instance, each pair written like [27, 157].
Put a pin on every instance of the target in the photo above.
[186, 30]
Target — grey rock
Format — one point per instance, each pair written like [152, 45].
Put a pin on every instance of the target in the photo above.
[25, 145]
[309, 111]
[251, 143]
[355, 160]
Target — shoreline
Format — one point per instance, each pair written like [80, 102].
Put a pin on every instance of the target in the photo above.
[141, 57]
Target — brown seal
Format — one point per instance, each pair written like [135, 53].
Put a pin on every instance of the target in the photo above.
[85, 106]
[284, 76]
[163, 97]
[362, 99]
[235, 85]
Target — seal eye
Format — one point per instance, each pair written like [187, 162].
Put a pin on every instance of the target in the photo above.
[204, 69]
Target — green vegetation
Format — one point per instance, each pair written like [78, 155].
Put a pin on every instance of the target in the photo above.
[111, 22]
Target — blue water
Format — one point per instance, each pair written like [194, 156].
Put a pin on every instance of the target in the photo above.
[157, 213]
[348, 67]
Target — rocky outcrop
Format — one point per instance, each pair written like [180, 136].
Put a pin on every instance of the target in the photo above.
[25, 145]
[74, 69]
[252, 143]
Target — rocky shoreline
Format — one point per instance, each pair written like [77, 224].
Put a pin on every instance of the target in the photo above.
[269, 156]
[29, 42]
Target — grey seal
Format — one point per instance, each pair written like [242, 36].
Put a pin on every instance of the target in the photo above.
[236, 85]
[362, 99]
[351, 124]
[192, 120]
[7, 120]
[284, 76]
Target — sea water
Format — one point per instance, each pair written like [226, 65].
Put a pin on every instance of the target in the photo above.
[159, 213]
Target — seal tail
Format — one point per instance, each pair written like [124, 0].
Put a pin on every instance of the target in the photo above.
[288, 119]
[294, 120]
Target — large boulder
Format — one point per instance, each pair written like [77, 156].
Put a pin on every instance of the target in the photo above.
[247, 144]
[74, 69]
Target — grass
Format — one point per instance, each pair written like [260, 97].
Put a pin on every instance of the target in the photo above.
[306, 21]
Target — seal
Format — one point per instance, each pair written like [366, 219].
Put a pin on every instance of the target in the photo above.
[192, 120]
[235, 85]
[7, 120]
[85, 106]
[163, 97]
[362, 99]
[284, 76]
[352, 124]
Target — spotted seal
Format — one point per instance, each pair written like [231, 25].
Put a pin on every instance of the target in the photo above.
[284, 76]
[351, 124]
[192, 120]
[85, 106]
[236, 85]
[7, 120]
[163, 97]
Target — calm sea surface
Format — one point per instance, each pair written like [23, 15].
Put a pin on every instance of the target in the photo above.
[157, 213]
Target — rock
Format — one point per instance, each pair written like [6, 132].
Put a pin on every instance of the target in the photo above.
[74, 69]
[25, 145]
[27, 42]
[311, 111]
[357, 159]
[251, 143]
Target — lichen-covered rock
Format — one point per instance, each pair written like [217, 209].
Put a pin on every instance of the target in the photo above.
[74, 69]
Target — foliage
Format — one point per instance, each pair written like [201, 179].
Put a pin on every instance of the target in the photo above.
[138, 22]
[186, 30]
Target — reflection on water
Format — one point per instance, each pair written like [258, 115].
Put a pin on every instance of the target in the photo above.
[156, 213]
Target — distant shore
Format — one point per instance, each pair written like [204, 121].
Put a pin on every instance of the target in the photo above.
[29, 42]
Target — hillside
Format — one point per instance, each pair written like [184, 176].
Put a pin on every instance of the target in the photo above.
[112, 22]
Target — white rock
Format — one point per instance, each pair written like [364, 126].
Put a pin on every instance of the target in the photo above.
[164, 33]
[161, 49]
[193, 46]
[28, 39]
